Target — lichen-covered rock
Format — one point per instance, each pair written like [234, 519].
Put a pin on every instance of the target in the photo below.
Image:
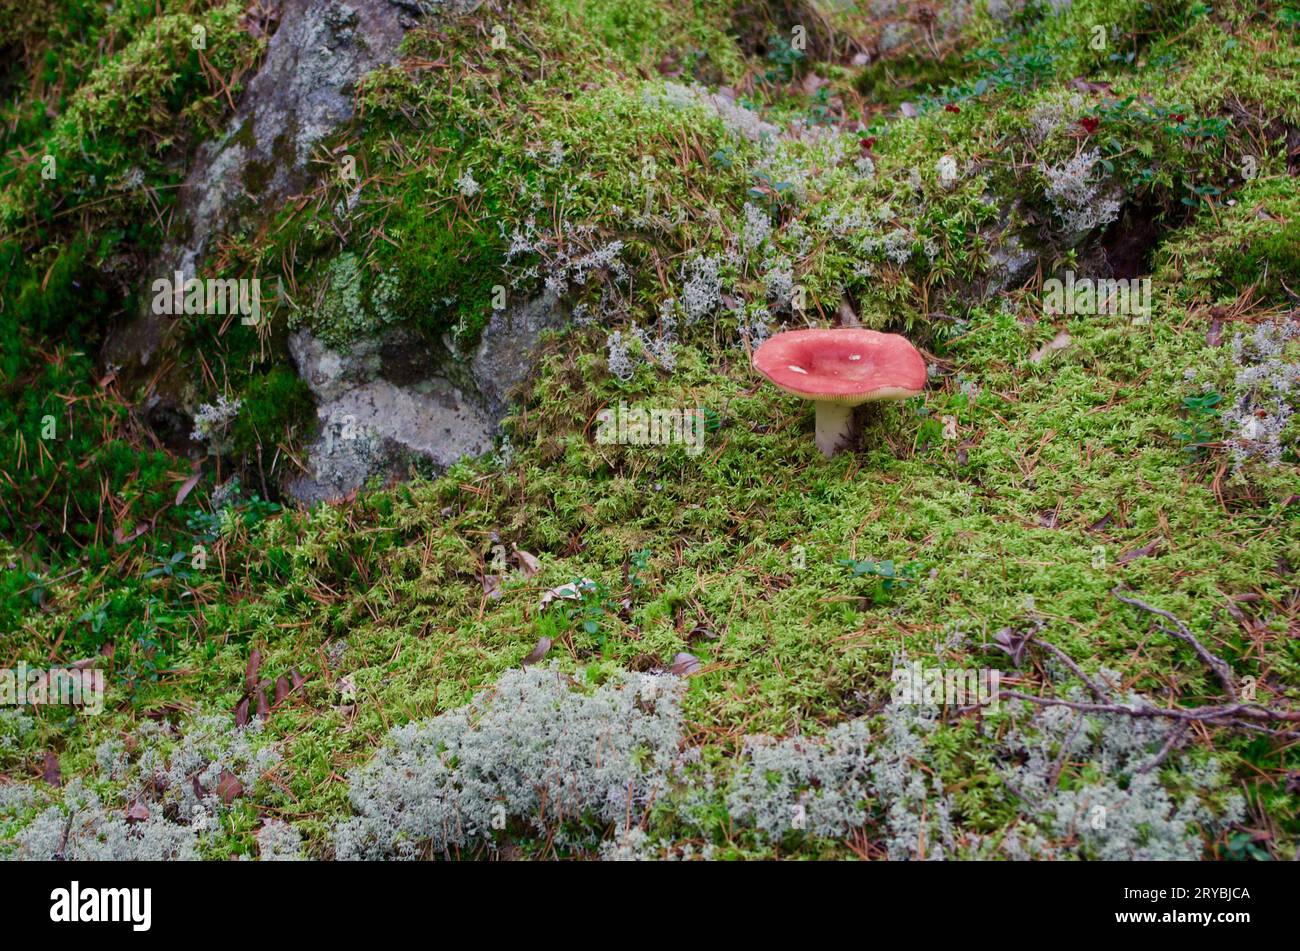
[384, 396]
[391, 399]
[370, 425]
[503, 357]
[302, 92]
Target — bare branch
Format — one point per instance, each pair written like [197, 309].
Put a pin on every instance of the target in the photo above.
[1175, 737]
[1068, 661]
[1213, 661]
[1222, 715]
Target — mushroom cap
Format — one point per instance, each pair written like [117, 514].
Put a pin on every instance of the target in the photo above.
[849, 365]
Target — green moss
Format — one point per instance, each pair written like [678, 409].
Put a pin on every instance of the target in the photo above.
[155, 82]
[891, 81]
[274, 405]
[445, 271]
[536, 169]
[1225, 252]
[125, 95]
[1066, 478]
[1269, 263]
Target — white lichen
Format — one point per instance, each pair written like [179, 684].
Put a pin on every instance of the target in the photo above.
[1075, 197]
[537, 749]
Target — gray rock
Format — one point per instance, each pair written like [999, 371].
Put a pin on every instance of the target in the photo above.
[393, 399]
[503, 357]
[390, 399]
[370, 425]
[302, 92]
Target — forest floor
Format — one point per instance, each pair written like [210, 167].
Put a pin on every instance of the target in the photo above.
[1098, 509]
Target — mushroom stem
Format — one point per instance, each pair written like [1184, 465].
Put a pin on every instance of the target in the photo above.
[834, 421]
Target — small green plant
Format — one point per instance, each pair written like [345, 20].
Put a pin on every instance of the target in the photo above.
[785, 60]
[95, 617]
[38, 588]
[889, 577]
[929, 431]
[226, 517]
[169, 567]
[146, 656]
[639, 565]
[819, 111]
[1008, 63]
[1198, 193]
[1242, 848]
[595, 608]
[589, 612]
[1197, 432]
[775, 195]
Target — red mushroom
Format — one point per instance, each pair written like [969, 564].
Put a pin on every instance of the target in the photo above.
[838, 370]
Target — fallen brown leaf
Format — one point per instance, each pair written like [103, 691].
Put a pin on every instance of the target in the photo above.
[1059, 342]
[528, 563]
[543, 645]
[685, 664]
[1136, 553]
[188, 485]
[811, 83]
[51, 771]
[229, 788]
[250, 672]
[122, 536]
[347, 688]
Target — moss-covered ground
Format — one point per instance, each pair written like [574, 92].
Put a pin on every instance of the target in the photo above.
[1051, 460]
